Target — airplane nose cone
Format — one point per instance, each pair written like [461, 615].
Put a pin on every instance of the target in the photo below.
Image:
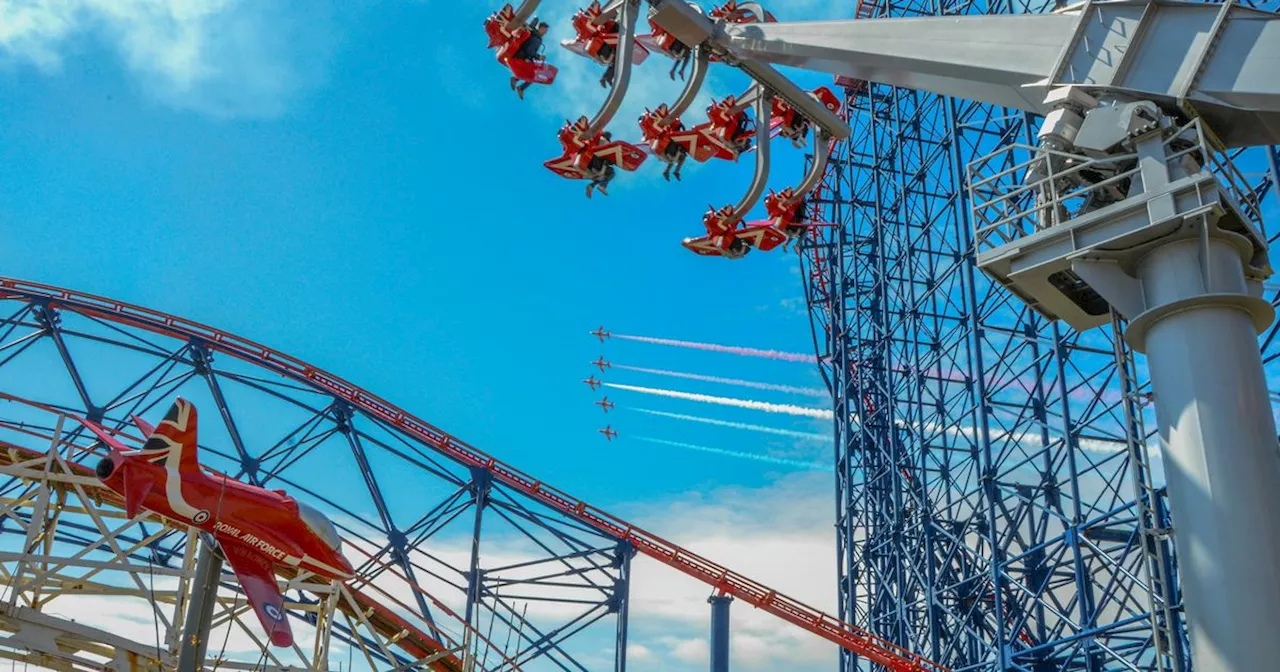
[105, 468]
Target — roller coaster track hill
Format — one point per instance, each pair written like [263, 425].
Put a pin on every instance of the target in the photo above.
[39, 311]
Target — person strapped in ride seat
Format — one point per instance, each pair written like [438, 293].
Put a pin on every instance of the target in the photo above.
[530, 51]
[601, 171]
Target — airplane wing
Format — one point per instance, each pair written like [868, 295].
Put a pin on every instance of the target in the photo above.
[576, 47]
[623, 154]
[143, 426]
[704, 245]
[640, 54]
[258, 579]
[701, 145]
[532, 71]
[564, 167]
[650, 42]
[762, 236]
[106, 437]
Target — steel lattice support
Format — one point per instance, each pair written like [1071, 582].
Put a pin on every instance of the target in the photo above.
[997, 506]
[540, 589]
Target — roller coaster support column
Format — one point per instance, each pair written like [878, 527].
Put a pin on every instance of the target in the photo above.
[199, 618]
[481, 480]
[1140, 214]
[720, 632]
[622, 603]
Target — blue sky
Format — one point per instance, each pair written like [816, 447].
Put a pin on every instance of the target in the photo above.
[357, 186]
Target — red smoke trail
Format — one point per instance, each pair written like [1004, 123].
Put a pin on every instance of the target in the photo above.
[728, 349]
[726, 381]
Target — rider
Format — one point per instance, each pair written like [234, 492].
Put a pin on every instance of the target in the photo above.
[681, 53]
[531, 50]
[608, 55]
[601, 170]
[743, 132]
[675, 154]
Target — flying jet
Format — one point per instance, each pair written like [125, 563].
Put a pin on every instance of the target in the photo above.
[258, 530]
[601, 334]
[602, 364]
[592, 383]
[605, 404]
[608, 433]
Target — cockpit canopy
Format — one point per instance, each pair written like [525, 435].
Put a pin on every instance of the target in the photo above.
[321, 525]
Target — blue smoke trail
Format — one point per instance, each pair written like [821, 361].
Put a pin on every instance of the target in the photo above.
[738, 454]
[735, 425]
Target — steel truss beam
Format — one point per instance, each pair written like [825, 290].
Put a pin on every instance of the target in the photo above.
[996, 505]
[551, 589]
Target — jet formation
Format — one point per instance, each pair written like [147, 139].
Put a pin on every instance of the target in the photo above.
[593, 383]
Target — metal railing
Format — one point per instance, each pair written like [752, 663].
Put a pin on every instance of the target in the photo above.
[1022, 189]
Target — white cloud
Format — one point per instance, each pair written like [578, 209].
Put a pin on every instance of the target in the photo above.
[780, 535]
[218, 57]
[689, 650]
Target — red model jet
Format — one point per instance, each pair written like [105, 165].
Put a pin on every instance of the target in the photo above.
[601, 334]
[596, 36]
[609, 434]
[590, 158]
[790, 124]
[602, 364]
[508, 42]
[722, 235]
[726, 134]
[742, 12]
[592, 383]
[605, 404]
[258, 530]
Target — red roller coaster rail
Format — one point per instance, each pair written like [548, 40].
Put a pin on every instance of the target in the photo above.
[722, 579]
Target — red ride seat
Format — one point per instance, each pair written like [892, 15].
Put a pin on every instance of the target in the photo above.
[742, 12]
[660, 132]
[575, 163]
[508, 44]
[592, 35]
[722, 238]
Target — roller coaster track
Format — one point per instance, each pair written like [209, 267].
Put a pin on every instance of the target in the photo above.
[722, 579]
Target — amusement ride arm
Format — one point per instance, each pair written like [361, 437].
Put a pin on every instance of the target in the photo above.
[628, 14]
[764, 115]
[1125, 49]
[821, 154]
[701, 64]
[526, 10]
[689, 25]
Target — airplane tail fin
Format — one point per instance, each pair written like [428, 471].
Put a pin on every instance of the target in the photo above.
[175, 437]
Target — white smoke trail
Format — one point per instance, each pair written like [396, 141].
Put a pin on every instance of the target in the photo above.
[728, 349]
[735, 425]
[788, 409]
[738, 454]
[726, 381]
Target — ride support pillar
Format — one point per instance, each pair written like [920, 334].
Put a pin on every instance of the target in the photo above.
[1178, 251]
[720, 632]
[199, 618]
[1221, 454]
